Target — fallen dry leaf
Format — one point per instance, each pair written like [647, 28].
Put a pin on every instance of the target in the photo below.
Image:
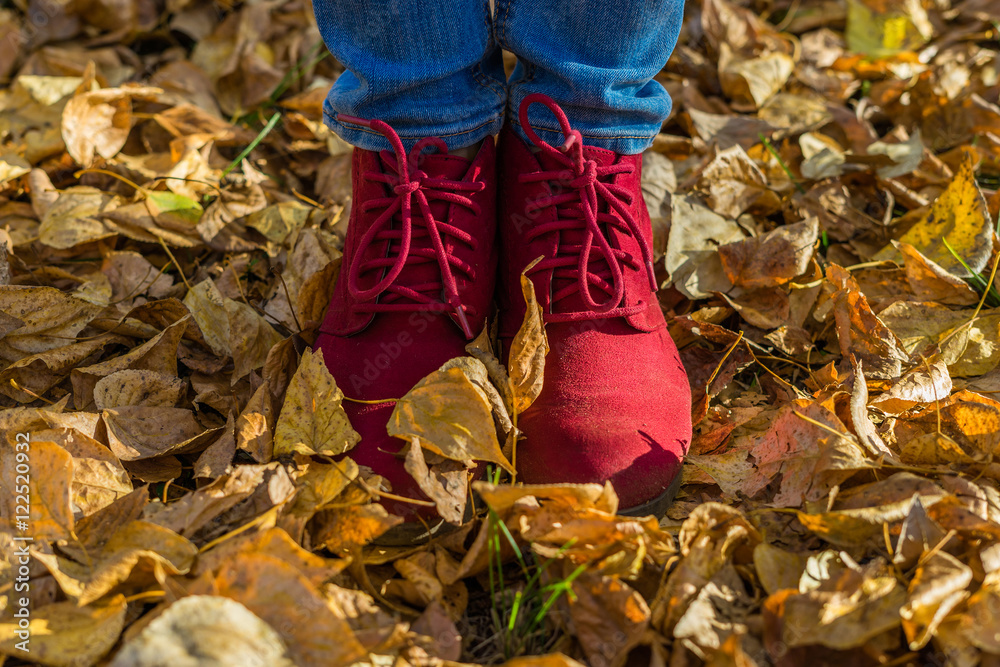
[841, 501]
[98, 122]
[526, 359]
[446, 414]
[140, 432]
[67, 634]
[312, 420]
[138, 542]
[276, 593]
[958, 219]
[772, 259]
[205, 628]
[48, 485]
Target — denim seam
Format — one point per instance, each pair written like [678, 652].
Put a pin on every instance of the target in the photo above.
[488, 20]
[506, 23]
[529, 75]
[499, 89]
[485, 81]
[360, 128]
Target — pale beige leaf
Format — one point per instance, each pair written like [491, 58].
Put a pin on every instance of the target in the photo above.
[99, 122]
[138, 387]
[74, 218]
[254, 427]
[202, 629]
[445, 483]
[312, 420]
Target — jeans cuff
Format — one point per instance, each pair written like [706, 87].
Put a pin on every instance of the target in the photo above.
[455, 135]
[624, 142]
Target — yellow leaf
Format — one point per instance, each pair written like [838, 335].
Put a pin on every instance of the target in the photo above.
[845, 619]
[778, 569]
[255, 425]
[445, 483]
[63, 634]
[771, 259]
[98, 476]
[74, 218]
[502, 498]
[33, 376]
[344, 529]
[449, 416]
[608, 616]
[312, 420]
[880, 29]
[50, 475]
[938, 586]
[137, 542]
[137, 432]
[550, 660]
[279, 220]
[958, 218]
[12, 166]
[138, 387]
[528, 349]
[750, 82]
[979, 620]
[172, 207]
[729, 470]
[158, 354]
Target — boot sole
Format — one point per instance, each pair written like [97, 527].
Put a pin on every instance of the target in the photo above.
[657, 506]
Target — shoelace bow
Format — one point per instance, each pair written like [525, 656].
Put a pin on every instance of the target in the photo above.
[409, 184]
[579, 209]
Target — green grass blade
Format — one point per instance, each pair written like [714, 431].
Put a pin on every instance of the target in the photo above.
[271, 124]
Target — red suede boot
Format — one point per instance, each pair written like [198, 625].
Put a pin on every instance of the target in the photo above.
[616, 404]
[415, 285]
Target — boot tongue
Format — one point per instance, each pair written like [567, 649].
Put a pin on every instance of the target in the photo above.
[602, 157]
[575, 237]
[435, 165]
[419, 270]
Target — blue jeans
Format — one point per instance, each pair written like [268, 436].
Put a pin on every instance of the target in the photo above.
[434, 67]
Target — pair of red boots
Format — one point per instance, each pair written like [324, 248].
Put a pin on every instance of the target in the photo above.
[418, 280]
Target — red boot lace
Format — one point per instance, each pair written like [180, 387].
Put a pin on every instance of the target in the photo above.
[579, 207]
[408, 229]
